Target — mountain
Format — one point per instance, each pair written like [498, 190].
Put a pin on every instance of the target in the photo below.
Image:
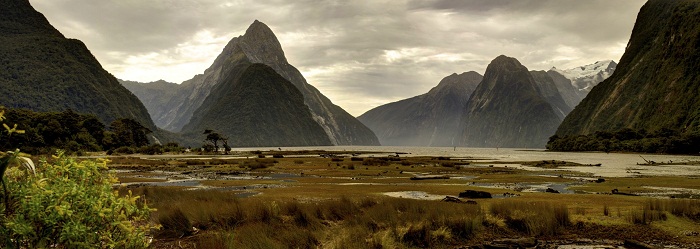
[44, 71]
[549, 90]
[656, 85]
[584, 78]
[431, 119]
[259, 45]
[507, 109]
[568, 92]
[154, 95]
[254, 106]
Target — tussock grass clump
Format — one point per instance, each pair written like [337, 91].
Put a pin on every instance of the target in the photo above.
[533, 218]
[258, 163]
[376, 161]
[657, 210]
[175, 224]
[679, 207]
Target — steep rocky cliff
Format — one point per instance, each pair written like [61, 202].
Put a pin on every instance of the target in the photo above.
[431, 119]
[656, 84]
[548, 89]
[568, 92]
[42, 70]
[507, 110]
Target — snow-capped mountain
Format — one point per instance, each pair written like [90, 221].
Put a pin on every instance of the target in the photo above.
[584, 78]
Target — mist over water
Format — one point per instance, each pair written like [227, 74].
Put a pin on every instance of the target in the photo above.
[612, 164]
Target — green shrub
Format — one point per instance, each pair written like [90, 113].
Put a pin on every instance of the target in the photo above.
[70, 204]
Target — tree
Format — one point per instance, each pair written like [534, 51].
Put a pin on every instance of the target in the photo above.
[214, 137]
[128, 132]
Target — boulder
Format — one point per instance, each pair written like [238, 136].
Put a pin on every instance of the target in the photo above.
[474, 194]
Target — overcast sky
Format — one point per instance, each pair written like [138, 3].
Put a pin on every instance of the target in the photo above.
[360, 54]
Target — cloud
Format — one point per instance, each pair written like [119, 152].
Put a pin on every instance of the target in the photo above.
[360, 54]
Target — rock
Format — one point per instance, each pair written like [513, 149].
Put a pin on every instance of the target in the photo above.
[633, 244]
[551, 190]
[452, 199]
[513, 243]
[473, 194]
[617, 192]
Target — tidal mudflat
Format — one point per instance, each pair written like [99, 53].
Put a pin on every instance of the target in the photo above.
[363, 198]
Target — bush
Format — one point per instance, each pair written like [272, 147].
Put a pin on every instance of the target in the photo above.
[70, 204]
[125, 150]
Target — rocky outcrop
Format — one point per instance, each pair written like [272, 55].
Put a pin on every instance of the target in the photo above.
[656, 84]
[431, 119]
[507, 109]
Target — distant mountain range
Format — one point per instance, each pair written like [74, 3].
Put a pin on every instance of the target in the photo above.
[509, 109]
[656, 85]
[431, 119]
[44, 71]
[206, 101]
[441, 117]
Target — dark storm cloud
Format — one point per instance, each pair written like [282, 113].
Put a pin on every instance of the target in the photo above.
[359, 53]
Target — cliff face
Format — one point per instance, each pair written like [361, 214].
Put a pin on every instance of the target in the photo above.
[656, 83]
[507, 110]
[44, 71]
[257, 46]
[549, 91]
[431, 119]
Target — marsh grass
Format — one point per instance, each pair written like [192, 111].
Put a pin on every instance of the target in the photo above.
[658, 209]
[225, 221]
[533, 218]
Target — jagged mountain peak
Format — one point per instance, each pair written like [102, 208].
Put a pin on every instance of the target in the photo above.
[587, 70]
[261, 45]
[507, 110]
[504, 62]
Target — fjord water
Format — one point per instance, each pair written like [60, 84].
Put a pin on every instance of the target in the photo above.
[612, 164]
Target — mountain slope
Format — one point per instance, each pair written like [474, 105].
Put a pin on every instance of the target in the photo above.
[259, 45]
[254, 106]
[154, 95]
[44, 71]
[506, 109]
[431, 119]
[656, 84]
[548, 89]
[568, 92]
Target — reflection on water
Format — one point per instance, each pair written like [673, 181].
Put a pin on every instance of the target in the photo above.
[613, 164]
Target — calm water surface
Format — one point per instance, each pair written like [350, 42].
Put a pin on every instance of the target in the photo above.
[613, 164]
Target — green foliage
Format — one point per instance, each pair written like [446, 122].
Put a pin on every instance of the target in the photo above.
[213, 138]
[66, 204]
[71, 131]
[628, 140]
[70, 203]
[128, 132]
